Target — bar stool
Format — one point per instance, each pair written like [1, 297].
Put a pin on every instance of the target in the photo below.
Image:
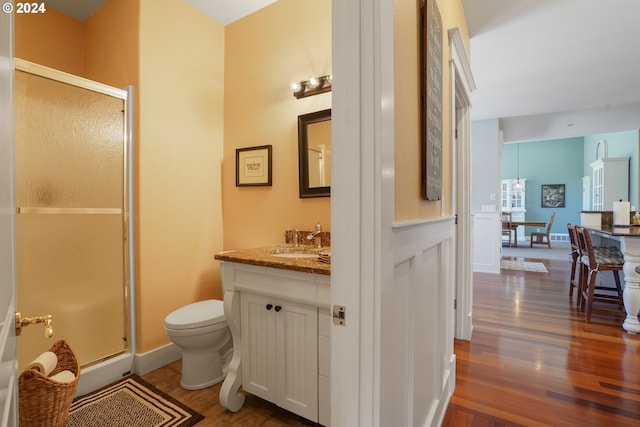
[608, 259]
[577, 280]
[575, 257]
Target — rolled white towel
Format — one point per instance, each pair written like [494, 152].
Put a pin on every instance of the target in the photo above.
[63, 377]
[45, 363]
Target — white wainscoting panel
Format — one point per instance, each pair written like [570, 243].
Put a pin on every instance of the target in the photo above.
[417, 325]
[487, 242]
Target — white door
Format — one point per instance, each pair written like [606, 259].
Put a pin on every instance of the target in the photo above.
[8, 371]
[361, 201]
[461, 164]
[367, 245]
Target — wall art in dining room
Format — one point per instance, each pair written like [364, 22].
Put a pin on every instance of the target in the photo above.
[552, 196]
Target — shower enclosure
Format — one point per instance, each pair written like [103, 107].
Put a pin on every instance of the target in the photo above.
[72, 229]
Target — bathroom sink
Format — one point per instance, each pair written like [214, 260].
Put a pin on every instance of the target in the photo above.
[295, 255]
[294, 252]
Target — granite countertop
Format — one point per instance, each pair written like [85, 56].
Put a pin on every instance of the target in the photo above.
[267, 257]
[631, 230]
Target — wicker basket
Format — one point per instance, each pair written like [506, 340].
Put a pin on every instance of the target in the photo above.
[44, 402]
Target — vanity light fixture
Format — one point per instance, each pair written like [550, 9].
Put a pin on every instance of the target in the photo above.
[312, 86]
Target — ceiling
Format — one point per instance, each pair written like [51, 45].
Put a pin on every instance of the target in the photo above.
[79, 9]
[546, 68]
[223, 11]
[555, 68]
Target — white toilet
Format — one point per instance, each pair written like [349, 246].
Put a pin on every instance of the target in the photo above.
[201, 331]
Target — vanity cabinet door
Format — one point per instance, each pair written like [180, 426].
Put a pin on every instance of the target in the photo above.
[297, 358]
[280, 352]
[258, 345]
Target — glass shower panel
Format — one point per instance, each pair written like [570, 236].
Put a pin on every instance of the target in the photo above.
[70, 241]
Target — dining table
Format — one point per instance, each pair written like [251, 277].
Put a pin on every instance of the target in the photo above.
[629, 239]
[516, 224]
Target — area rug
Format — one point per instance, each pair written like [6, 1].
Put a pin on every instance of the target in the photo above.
[130, 402]
[537, 267]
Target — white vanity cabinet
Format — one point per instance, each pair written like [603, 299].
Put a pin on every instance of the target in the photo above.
[280, 326]
[280, 352]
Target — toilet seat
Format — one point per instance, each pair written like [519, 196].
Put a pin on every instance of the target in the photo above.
[196, 315]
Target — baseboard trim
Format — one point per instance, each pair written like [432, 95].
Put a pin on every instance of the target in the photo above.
[448, 386]
[156, 358]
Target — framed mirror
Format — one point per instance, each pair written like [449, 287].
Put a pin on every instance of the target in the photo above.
[314, 154]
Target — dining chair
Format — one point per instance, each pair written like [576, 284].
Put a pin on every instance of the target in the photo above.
[594, 262]
[542, 238]
[506, 225]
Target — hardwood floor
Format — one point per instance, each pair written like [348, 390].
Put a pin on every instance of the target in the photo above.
[255, 412]
[532, 361]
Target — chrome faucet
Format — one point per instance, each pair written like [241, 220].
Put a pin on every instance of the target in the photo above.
[317, 239]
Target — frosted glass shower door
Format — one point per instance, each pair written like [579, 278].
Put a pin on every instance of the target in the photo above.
[70, 222]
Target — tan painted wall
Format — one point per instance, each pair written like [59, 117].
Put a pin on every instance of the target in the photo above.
[179, 99]
[182, 99]
[104, 48]
[111, 35]
[52, 39]
[180, 152]
[409, 203]
[266, 52]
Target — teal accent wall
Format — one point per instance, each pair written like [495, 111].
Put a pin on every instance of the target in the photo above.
[566, 161]
[557, 161]
[621, 144]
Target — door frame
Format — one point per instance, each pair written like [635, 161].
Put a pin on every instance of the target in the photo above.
[362, 207]
[8, 352]
[462, 84]
[362, 201]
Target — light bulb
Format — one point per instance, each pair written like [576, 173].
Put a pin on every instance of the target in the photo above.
[313, 83]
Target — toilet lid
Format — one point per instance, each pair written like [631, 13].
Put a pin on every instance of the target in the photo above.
[198, 314]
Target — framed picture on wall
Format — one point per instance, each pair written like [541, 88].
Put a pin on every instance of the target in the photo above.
[431, 104]
[253, 166]
[552, 196]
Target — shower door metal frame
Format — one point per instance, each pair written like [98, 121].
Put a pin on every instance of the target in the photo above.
[128, 196]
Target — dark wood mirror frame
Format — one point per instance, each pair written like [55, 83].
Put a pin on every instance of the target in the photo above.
[304, 121]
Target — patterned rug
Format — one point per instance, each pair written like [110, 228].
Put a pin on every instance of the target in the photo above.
[130, 402]
[537, 267]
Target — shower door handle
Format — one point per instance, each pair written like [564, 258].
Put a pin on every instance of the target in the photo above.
[22, 322]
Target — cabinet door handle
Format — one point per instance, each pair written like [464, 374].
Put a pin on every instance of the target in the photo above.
[278, 308]
[269, 306]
